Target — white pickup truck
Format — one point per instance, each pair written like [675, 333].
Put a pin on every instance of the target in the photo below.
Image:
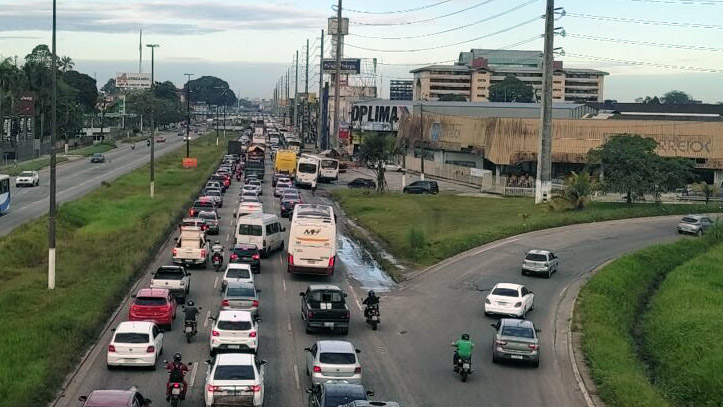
[173, 278]
[191, 247]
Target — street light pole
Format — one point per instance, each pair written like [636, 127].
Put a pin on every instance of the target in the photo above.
[53, 161]
[153, 119]
[188, 114]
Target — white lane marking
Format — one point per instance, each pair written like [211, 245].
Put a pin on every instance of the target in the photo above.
[284, 283]
[494, 246]
[228, 236]
[205, 321]
[194, 370]
[356, 299]
[288, 323]
[231, 223]
[296, 376]
[215, 282]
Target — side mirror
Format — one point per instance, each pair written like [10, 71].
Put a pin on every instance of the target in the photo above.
[165, 361]
[357, 350]
[302, 294]
[344, 294]
[307, 349]
[234, 215]
[112, 329]
[161, 330]
[183, 307]
[133, 296]
[310, 391]
[147, 401]
[200, 308]
[538, 330]
[207, 362]
[188, 274]
[283, 229]
[493, 326]
[83, 398]
[257, 319]
[263, 362]
[370, 393]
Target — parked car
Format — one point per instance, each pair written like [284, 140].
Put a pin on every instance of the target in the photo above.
[540, 262]
[335, 393]
[173, 278]
[154, 304]
[97, 158]
[241, 295]
[210, 218]
[115, 398]
[135, 344]
[422, 187]
[237, 272]
[333, 360]
[695, 224]
[364, 183]
[235, 331]
[515, 340]
[27, 178]
[509, 299]
[246, 253]
[323, 306]
[160, 139]
[235, 379]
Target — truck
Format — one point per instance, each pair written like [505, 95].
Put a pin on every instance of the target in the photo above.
[323, 306]
[191, 247]
[235, 147]
[285, 162]
[258, 137]
[173, 278]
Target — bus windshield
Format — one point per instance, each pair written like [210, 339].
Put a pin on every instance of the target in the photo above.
[307, 168]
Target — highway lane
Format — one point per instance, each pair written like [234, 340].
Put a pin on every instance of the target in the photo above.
[78, 177]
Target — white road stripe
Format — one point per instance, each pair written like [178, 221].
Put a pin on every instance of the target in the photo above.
[284, 283]
[194, 370]
[356, 299]
[288, 323]
[296, 376]
[215, 282]
[228, 236]
[205, 321]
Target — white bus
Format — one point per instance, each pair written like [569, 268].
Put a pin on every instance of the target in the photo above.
[4, 193]
[294, 144]
[312, 240]
[307, 170]
[328, 169]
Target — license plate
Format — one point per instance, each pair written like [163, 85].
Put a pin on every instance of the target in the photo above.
[465, 366]
[312, 262]
[234, 346]
[328, 324]
[189, 329]
[375, 318]
[516, 357]
[176, 391]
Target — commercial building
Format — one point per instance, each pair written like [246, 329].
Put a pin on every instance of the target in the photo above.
[401, 89]
[475, 71]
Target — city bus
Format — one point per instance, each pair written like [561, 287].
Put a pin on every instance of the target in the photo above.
[294, 144]
[4, 193]
[312, 240]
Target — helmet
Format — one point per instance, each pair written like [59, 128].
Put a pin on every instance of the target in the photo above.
[465, 337]
[372, 293]
[177, 357]
[190, 303]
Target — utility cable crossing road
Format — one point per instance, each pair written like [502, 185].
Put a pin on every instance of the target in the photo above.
[409, 358]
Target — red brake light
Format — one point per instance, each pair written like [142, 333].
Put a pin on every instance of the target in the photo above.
[234, 256]
[215, 333]
[256, 388]
[533, 346]
[176, 385]
[224, 303]
[255, 303]
[150, 349]
[252, 334]
[211, 388]
[203, 252]
[175, 252]
[111, 348]
[348, 315]
[256, 256]
[357, 370]
[317, 369]
[291, 259]
[331, 261]
[310, 314]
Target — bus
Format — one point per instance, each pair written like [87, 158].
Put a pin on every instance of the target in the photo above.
[312, 240]
[307, 170]
[294, 144]
[4, 193]
[329, 169]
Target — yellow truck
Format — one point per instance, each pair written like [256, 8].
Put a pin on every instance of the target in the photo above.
[285, 162]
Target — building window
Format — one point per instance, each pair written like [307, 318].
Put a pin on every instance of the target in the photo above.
[481, 80]
[481, 88]
[557, 82]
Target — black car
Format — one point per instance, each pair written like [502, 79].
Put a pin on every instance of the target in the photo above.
[287, 206]
[248, 254]
[97, 158]
[365, 183]
[422, 187]
[332, 394]
[210, 218]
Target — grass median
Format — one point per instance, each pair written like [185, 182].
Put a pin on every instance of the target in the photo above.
[426, 229]
[105, 240]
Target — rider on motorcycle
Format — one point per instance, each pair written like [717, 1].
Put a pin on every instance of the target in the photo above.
[217, 248]
[178, 375]
[190, 312]
[463, 350]
[371, 301]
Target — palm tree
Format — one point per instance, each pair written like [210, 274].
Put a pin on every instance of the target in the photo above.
[66, 64]
[706, 189]
[578, 188]
[377, 150]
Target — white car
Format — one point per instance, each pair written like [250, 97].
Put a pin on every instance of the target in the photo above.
[250, 196]
[392, 167]
[235, 379]
[237, 272]
[235, 331]
[135, 343]
[27, 178]
[256, 184]
[509, 299]
[250, 189]
[281, 185]
[333, 360]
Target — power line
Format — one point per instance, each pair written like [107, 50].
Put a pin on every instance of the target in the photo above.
[527, 3]
[643, 63]
[647, 22]
[427, 19]
[448, 45]
[394, 11]
[683, 2]
[646, 43]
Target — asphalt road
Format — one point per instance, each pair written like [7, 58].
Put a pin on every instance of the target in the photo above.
[78, 177]
[409, 358]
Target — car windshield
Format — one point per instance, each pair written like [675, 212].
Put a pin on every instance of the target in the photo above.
[240, 292]
[337, 358]
[245, 250]
[689, 220]
[536, 257]
[207, 215]
[151, 301]
[234, 372]
[518, 332]
[97, 155]
[249, 230]
[505, 292]
[26, 174]
[234, 325]
[238, 273]
[203, 204]
[329, 164]
[130, 337]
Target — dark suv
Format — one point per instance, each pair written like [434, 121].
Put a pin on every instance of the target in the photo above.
[248, 254]
[365, 183]
[422, 187]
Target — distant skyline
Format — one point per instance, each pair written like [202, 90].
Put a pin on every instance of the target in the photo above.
[250, 43]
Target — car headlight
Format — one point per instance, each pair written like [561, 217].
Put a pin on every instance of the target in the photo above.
[518, 304]
[487, 301]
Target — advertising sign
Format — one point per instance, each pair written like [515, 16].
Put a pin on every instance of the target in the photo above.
[348, 65]
[27, 104]
[133, 80]
[333, 26]
[379, 116]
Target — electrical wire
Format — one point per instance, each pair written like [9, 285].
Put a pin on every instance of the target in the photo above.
[643, 63]
[426, 19]
[349, 10]
[683, 2]
[447, 45]
[647, 22]
[527, 3]
[646, 43]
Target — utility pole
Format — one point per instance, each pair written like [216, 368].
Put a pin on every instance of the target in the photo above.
[140, 52]
[543, 181]
[288, 107]
[421, 138]
[153, 119]
[319, 98]
[53, 159]
[337, 74]
[305, 124]
[188, 114]
[296, 96]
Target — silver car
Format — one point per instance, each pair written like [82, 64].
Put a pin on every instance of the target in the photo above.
[333, 360]
[515, 340]
[241, 296]
[539, 262]
[694, 224]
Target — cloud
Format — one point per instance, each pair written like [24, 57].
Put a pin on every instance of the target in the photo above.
[158, 17]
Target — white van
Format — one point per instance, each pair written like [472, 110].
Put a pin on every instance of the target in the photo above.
[262, 229]
[246, 208]
[312, 240]
[307, 170]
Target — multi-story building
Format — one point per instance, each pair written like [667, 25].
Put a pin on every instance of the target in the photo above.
[401, 89]
[475, 71]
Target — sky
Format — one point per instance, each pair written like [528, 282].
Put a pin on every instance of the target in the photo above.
[647, 46]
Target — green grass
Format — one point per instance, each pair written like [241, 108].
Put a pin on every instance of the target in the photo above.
[30, 165]
[101, 147]
[683, 330]
[105, 239]
[427, 229]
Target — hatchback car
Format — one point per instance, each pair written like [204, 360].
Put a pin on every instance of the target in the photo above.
[235, 379]
[135, 344]
[237, 272]
[250, 189]
[515, 340]
[694, 224]
[363, 183]
[540, 262]
[234, 331]
[214, 194]
[154, 304]
[246, 253]
[509, 299]
[97, 158]
[290, 193]
[201, 205]
[115, 398]
[214, 184]
[27, 178]
[335, 393]
[333, 360]
[211, 219]
[281, 186]
[256, 183]
[422, 187]
[241, 295]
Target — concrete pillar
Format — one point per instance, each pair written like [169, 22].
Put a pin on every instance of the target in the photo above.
[498, 174]
[718, 177]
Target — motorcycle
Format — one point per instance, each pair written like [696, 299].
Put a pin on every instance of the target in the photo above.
[189, 329]
[176, 390]
[217, 260]
[133, 146]
[372, 316]
[463, 367]
[148, 142]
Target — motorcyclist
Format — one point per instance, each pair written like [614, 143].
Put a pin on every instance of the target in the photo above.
[148, 142]
[463, 350]
[217, 248]
[133, 146]
[178, 375]
[371, 301]
[190, 312]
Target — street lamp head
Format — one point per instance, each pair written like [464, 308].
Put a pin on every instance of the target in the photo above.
[152, 45]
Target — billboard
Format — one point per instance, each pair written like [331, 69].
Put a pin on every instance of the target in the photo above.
[333, 26]
[27, 104]
[379, 115]
[348, 65]
[133, 80]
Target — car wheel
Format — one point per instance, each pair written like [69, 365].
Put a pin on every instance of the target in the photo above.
[110, 367]
[549, 273]
[281, 248]
[699, 232]
[523, 272]
[536, 363]
[495, 359]
[344, 331]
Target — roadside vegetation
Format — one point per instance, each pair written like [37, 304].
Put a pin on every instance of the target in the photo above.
[30, 165]
[105, 240]
[101, 147]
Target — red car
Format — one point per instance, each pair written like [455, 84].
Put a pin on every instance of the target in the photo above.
[154, 304]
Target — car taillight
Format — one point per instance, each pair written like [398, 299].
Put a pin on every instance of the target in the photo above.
[224, 303]
[234, 256]
[357, 370]
[252, 334]
[111, 348]
[215, 333]
[291, 259]
[211, 388]
[317, 369]
[150, 349]
[256, 388]
[331, 261]
[256, 256]
[175, 252]
[255, 303]
[501, 343]
[533, 346]
[203, 252]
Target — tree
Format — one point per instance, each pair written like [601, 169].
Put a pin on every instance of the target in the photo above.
[578, 188]
[706, 189]
[377, 150]
[630, 166]
[648, 100]
[452, 98]
[166, 90]
[66, 64]
[511, 89]
[109, 88]
[211, 90]
[87, 89]
[676, 97]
